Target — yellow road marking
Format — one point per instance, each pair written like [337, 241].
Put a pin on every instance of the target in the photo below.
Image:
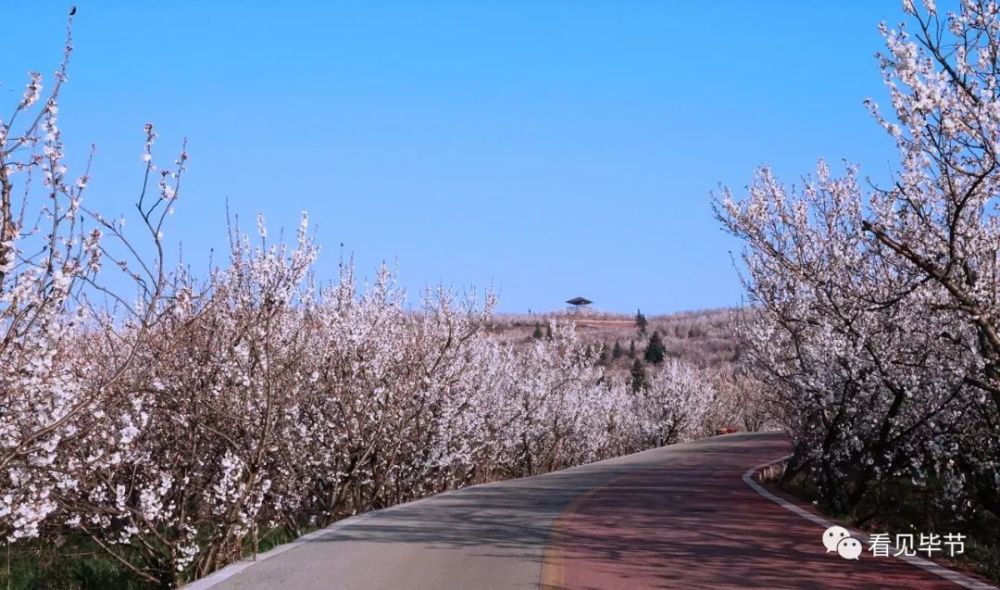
[553, 559]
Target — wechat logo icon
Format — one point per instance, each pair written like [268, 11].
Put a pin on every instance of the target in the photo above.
[838, 540]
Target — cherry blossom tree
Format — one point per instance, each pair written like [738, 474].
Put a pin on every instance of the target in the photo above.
[54, 401]
[177, 421]
[877, 308]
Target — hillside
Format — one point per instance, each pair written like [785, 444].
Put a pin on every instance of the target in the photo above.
[702, 338]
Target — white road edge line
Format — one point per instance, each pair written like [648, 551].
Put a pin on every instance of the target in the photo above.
[218, 576]
[930, 566]
[232, 569]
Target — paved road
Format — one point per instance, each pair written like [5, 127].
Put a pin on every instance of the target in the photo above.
[674, 517]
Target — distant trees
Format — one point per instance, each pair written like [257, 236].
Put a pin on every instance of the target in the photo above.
[655, 350]
[741, 401]
[674, 405]
[617, 352]
[640, 322]
[638, 379]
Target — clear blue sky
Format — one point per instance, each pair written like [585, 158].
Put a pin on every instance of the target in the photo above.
[550, 149]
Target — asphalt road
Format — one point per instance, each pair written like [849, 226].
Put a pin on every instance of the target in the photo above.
[674, 517]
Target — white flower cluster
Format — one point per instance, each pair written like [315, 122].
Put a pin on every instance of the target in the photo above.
[263, 401]
[175, 428]
[878, 311]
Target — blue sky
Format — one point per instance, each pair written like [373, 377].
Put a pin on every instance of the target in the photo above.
[549, 149]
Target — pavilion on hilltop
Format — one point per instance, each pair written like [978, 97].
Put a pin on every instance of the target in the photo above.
[579, 303]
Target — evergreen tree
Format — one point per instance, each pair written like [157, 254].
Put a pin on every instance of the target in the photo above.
[537, 334]
[631, 349]
[640, 321]
[548, 331]
[655, 351]
[617, 352]
[637, 376]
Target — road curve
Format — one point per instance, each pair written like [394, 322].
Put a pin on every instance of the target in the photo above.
[673, 517]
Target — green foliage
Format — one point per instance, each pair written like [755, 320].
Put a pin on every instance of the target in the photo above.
[617, 352]
[638, 377]
[655, 351]
[76, 564]
[640, 321]
[537, 334]
[79, 564]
